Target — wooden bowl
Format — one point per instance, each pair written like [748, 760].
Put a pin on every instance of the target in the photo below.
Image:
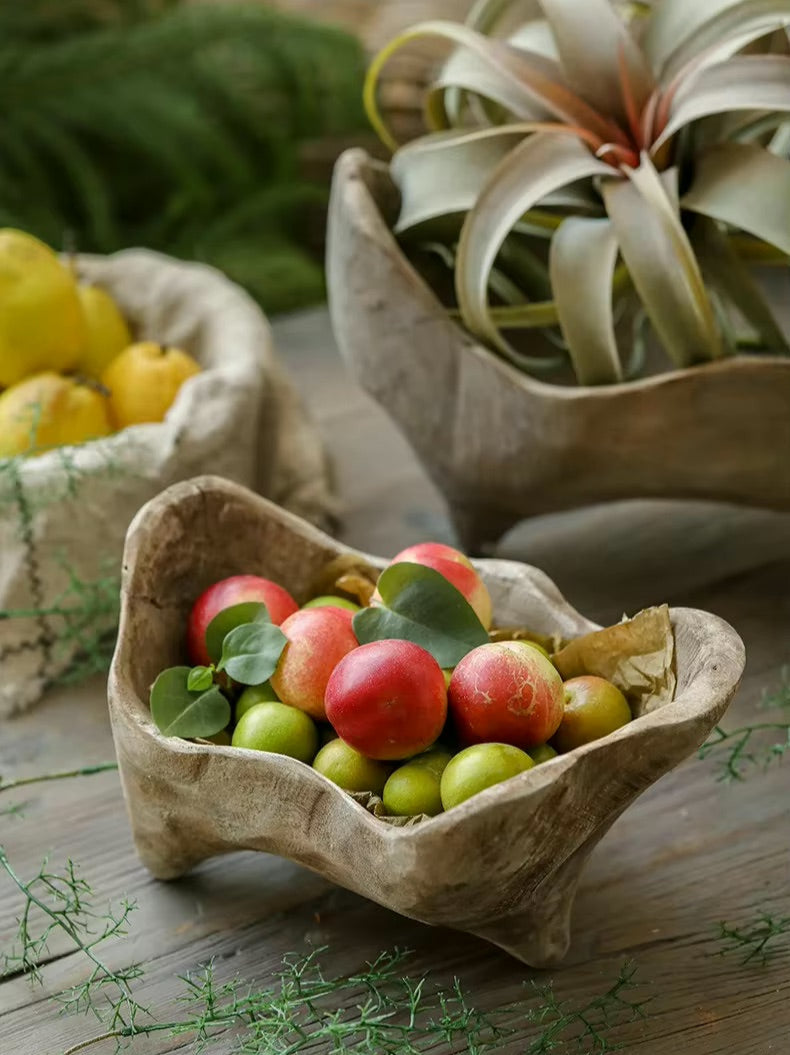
[502, 446]
[503, 866]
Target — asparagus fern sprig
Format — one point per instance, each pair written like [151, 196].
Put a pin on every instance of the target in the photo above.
[757, 941]
[755, 746]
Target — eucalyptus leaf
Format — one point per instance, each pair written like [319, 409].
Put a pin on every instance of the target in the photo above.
[228, 619]
[200, 679]
[250, 653]
[179, 712]
[421, 606]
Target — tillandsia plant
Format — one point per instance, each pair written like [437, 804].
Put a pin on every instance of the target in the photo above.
[594, 162]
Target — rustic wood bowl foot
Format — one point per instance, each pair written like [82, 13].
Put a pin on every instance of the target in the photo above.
[504, 865]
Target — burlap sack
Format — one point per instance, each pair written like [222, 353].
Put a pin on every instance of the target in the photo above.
[64, 514]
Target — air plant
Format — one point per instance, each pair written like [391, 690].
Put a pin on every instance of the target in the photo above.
[587, 156]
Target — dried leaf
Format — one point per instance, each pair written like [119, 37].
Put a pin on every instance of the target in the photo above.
[638, 656]
[551, 643]
[373, 804]
[358, 574]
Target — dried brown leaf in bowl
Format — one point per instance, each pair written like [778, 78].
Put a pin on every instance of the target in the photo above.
[349, 576]
[637, 655]
[552, 643]
[373, 804]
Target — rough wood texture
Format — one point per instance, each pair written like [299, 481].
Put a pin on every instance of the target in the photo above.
[502, 446]
[177, 792]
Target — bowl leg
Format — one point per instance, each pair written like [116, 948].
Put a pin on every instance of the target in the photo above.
[538, 933]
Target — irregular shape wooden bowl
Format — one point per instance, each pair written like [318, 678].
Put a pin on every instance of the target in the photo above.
[501, 445]
[504, 865]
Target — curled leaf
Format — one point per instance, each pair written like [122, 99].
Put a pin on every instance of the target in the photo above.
[179, 712]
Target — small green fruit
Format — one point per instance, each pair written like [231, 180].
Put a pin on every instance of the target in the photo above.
[413, 789]
[542, 754]
[538, 648]
[593, 709]
[349, 769]
[328, 601]
[435, 759]
[480, 767]
[254, 695]
[278, 728]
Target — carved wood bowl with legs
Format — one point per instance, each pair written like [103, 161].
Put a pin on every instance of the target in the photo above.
[504, 865]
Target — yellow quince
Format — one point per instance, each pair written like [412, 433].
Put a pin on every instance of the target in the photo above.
[144, 381]
[41, 321]
[106, 331]
[47, 411]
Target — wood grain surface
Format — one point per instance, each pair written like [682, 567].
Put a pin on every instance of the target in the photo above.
[690, 853]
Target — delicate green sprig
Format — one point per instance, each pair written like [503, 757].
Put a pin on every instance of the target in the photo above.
[62, 903]
[750, 747]
[584, 1029]
[755, 941]
[41, 778]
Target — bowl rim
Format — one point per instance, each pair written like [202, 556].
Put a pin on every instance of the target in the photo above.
[355, 172]
[702, 699]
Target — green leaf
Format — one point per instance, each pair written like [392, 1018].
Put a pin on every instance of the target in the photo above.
[421, 606]
[179, 712]
[250, 653]
[746, 187]
[228, 619]
[662, 264]
[748, 82]
[583, 258]
[200, 679]
[537, 167]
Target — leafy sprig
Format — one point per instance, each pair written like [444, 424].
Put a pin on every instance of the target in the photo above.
[755, 746]
[586, 1028]
[756, 941]
[244, 645]
[62, 903]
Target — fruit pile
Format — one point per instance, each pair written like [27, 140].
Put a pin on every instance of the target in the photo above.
[69, 370]
[404, 692]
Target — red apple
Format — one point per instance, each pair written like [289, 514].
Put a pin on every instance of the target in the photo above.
[387, 700]
[239, 589]
[457, 569]
[508, 694]
[431, 550]
[318, 639]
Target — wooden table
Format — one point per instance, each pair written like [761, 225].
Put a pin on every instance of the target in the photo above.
[691, 853]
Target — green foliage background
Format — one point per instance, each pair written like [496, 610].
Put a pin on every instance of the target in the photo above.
[178, 127]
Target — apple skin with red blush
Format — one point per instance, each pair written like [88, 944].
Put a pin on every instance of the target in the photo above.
[318, 639]
[388, 700]
[457, 569]
[238, 589]
[508, 694]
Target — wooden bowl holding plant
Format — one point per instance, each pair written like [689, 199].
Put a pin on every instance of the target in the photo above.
[489, 735]
[566, 292]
